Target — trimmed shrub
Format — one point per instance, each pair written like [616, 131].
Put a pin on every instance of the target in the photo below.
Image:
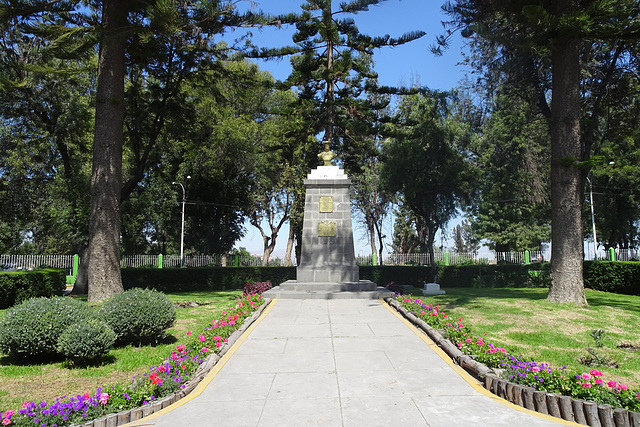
[19, 286]
[138, 315]
[203, 278]
[86, 342]
[495, 276]
[621, 277]
[395, 288]
[400, 274]
[34, 327]
[256, 288]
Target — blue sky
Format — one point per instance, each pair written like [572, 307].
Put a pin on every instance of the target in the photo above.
[402, 65]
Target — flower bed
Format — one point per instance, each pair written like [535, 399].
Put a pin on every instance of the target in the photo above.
[156, 389]
[585, 398]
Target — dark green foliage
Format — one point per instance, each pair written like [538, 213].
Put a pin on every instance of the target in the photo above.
[401, 275]
[87, 341]
[33, 327]
[619, 277]
[203, 278]
[495, 276]
[19, 286]
[256, 288]
[395, 288]
[138, 315]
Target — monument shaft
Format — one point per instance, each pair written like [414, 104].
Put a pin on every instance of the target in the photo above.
[327, 235]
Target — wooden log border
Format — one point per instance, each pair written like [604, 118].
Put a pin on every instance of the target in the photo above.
[136, 414]
[565, 407]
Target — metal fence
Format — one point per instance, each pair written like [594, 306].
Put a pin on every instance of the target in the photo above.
[458, 258]
[173, 261]
[32, 262]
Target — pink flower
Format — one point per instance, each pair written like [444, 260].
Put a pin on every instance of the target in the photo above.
[480, 342]
[595, 373]
[586, 385]
[622, 387]
[535, 369]
[202, 338]
[104, 397]
[204, 349]
[6, 421]
[9, 413]
[25, 404]
[586, 377]
[188, 333]
[612, 384]
[469, 340]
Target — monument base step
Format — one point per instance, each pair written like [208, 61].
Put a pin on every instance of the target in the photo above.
[292, 289]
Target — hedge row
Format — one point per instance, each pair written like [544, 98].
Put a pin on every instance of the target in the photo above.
[222, 278]
[495, 276]
[618, 277]
[18, 286]
[203, 278]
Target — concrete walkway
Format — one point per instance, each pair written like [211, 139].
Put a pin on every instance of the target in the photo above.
[339, 363]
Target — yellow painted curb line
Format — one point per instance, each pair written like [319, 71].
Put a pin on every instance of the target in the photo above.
[467, 377]
[210, 376]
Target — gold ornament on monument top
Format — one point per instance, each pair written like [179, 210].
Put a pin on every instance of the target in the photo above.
[327, 155]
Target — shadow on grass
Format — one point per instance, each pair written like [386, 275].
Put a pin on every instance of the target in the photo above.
[629, 303]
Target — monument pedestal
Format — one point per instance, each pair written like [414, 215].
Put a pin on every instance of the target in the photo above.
[432, 289]
[327, 266]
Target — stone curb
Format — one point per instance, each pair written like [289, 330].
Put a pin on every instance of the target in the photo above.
[136, 414]
[565, 407]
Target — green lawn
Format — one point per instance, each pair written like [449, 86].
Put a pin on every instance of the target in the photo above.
[526, 324]
[51, 379]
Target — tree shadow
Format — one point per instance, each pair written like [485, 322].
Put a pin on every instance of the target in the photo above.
[605, 299]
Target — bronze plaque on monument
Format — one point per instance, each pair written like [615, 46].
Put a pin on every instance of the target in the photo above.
[326, 204]
[327, 229]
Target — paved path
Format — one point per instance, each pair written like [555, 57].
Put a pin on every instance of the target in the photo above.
[339, 363]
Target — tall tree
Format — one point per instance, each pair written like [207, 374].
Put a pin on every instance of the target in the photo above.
[423, 164]
[545, 39]
[332, 64]
[511, 211]
[106, 178]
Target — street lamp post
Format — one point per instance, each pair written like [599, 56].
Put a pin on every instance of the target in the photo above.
[593, 221]
[593, 216]
[184, 201]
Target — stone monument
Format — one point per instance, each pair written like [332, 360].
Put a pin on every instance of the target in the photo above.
[327, 265]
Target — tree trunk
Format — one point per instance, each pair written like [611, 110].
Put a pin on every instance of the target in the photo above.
[104, 218]
[372, 236]
[287, 255]
[80, 287]
[566, 189]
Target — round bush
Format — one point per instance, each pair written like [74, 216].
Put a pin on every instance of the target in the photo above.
[138, 314]
[33, 327]
[86, 341]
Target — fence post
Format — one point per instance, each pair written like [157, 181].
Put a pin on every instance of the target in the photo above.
[612, 254]
[160, 261]
[76, 263]
[527, 258]
[374, 259]
[446, 258]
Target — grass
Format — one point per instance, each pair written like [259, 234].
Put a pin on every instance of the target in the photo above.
[526, 324]
[48, 380]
